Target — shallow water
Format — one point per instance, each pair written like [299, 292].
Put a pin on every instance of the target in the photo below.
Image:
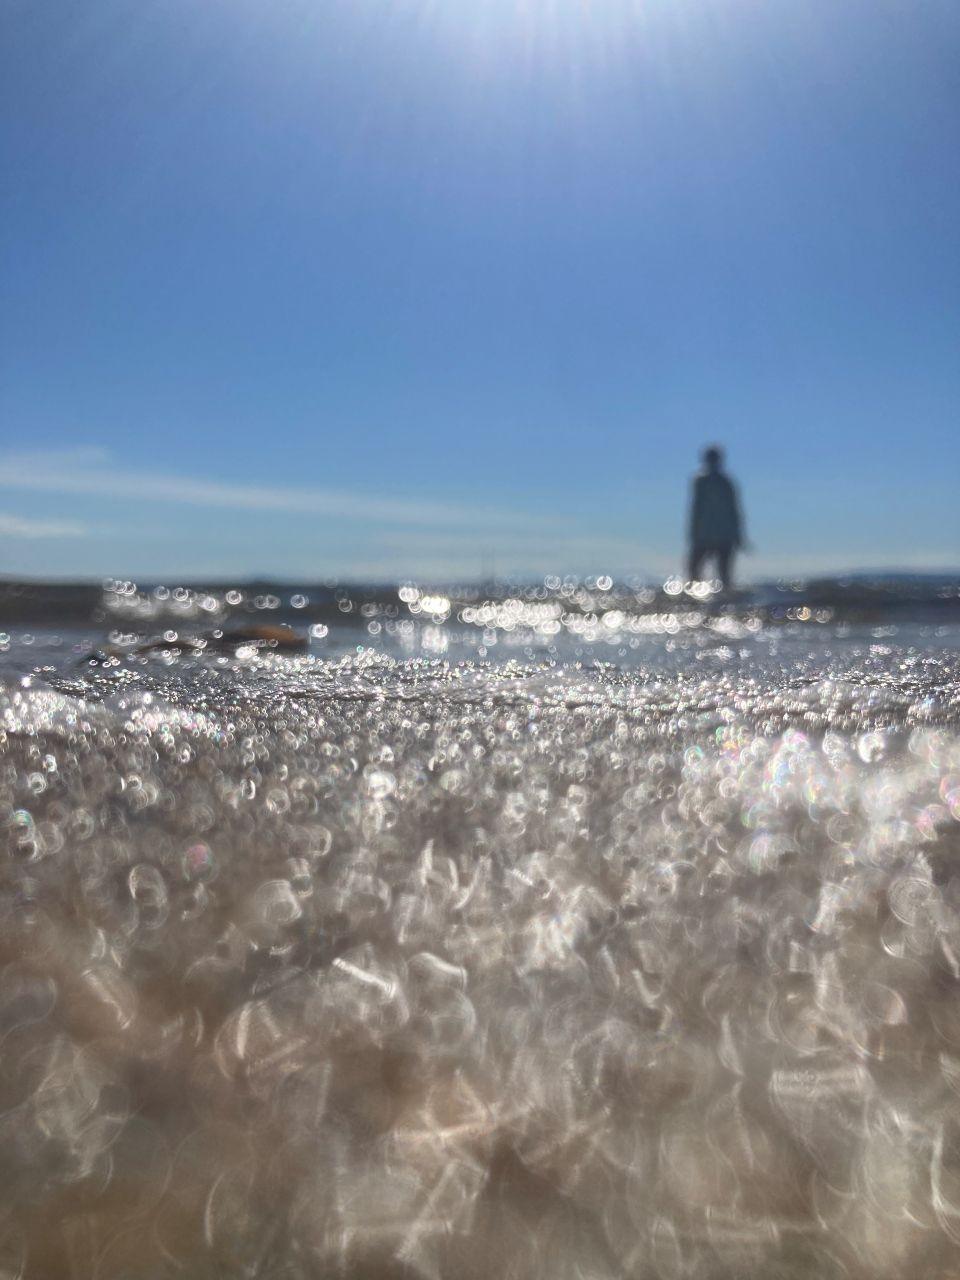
[577, 958]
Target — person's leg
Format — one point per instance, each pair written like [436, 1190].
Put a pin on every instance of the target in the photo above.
[694, 564]
[725, 566]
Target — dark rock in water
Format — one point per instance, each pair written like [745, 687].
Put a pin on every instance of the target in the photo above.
[264, 637]
[261, 636]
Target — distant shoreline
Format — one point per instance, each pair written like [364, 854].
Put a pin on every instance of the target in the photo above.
[859, 597]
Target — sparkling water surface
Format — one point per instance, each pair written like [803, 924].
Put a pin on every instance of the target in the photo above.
[628, 955]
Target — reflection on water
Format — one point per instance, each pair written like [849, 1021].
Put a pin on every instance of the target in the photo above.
[433, 962]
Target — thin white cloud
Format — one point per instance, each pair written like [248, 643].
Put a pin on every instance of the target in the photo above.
[420, 535]
[89, 472]
[27, 527]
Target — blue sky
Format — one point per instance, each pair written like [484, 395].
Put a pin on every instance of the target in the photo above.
[381, 288]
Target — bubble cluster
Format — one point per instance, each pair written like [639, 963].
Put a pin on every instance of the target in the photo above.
[405, 968]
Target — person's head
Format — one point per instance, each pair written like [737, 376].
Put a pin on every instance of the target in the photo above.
[713, 458]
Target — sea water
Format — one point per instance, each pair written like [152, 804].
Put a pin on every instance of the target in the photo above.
[481, 949]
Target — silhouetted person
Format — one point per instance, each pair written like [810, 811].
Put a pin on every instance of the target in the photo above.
[716, 526]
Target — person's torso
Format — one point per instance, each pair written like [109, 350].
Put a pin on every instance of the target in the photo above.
[715, 510]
